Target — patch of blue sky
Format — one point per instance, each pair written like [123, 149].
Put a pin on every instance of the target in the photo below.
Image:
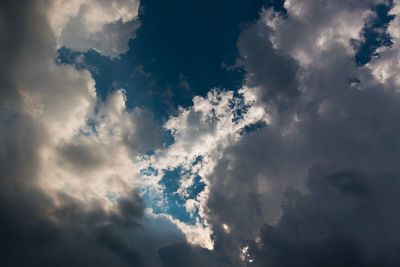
[92, 127]
[182, 49]
[167, 138]
[153, 199]
[176, 198]
[173, 196]
[374, 34]
[197, 160]
[277, 5]
[195, 189]
[171, 180]
[150, 171]
[238, 106]
[150, 152]
[111, 196]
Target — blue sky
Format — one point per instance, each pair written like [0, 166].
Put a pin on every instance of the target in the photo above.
[182, 49]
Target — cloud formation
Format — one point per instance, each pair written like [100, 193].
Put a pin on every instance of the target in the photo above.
[296, 168]
[105, 26]
[67, 158]
[331, 143]
[201, 133]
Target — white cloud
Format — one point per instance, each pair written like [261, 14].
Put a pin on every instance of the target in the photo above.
[312, 27]
[105, 26]
[95, 160]
[205, 130]
[86, 161]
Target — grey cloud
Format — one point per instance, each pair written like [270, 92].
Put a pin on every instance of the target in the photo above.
[351, 223]
[77, 237]
[343, 208]
[146, 134]
[81, 157]
[35, 232]
[39, 228]
[266, 67]
[182, 255]
[17, 27]
[179, 255]
[120, 246]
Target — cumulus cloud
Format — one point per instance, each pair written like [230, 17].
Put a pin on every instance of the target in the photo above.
[67, 159]
[105, 26]
[347, 219]
[327, 111]
[201, 134]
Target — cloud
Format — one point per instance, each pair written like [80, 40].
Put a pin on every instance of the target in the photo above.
[75, 159]
[67, 158]
[201, 133]
[347, 219]
[298, 167]
[266, 67]
[182, 254]
[325, 110]
[105, 26]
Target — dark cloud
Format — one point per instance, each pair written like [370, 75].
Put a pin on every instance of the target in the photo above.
[348, 223]
[182, 255]
[179, 255]
[70, 235]
[38, 228]
[35, 232]
[266, 67]
[17, 27]
[336, 115]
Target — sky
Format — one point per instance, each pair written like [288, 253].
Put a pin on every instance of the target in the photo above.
[199, 133]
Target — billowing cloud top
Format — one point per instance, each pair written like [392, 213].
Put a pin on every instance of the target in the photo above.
[105, 26]
[297, 166]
